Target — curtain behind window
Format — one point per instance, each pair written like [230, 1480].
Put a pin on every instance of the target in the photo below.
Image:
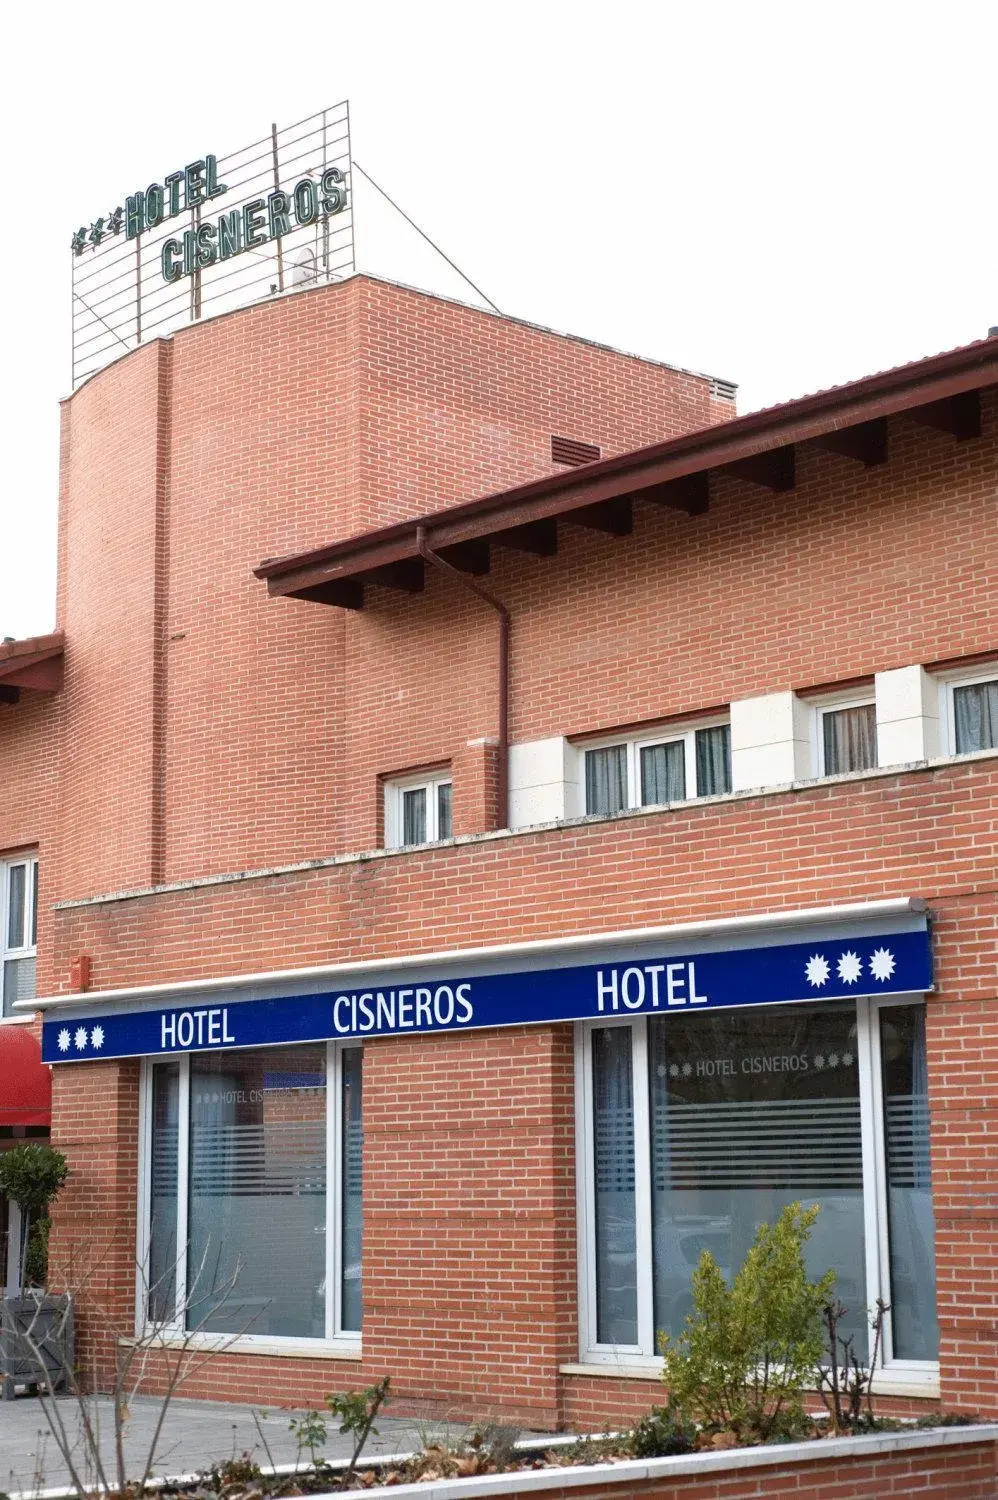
[976, 712]
[713, 748]
[606, 780]
[850, 739]
[444, 822]
[17, 906]
[663, 773]
[414, 816]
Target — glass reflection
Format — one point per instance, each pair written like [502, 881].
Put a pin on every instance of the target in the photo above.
[752, 1110]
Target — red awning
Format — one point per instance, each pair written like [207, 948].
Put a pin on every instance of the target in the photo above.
[25, 1081]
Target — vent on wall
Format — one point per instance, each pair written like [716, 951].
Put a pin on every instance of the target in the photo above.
[568, 451]
[723, 390]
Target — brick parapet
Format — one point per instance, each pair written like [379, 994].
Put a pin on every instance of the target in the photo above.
[909, 833]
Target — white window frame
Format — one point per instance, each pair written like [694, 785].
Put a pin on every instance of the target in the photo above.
[26, 950]
[915, 1373]
[684, 735]
[948, 684]
[345, 1343]
[394, 821]
[833, 705]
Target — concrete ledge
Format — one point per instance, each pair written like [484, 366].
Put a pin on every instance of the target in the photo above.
[248, 1344]
[919, 1388]
[692, 1466]
[328, 862]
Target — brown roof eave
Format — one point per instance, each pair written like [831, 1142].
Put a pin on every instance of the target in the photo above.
[34, 663]
[889, 393]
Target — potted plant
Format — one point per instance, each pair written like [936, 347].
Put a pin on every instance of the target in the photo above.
[36, 1328]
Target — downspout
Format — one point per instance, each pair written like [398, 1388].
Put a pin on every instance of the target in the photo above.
[436, 561]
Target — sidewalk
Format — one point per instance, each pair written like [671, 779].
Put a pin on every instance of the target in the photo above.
[195, 1435]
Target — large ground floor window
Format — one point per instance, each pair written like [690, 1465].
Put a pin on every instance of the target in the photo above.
[251, 1214]
[697, 1129]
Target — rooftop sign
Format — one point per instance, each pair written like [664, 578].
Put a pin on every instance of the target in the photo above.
[213, 235]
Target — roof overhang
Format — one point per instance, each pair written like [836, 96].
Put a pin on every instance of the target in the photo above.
[33, 665]
[851, 420]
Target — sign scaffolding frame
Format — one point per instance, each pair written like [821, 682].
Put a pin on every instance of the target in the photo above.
[215, 235]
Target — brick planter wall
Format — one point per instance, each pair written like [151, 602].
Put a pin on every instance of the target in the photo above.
[956, 1464]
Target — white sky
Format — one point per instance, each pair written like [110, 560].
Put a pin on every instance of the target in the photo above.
[786, 195]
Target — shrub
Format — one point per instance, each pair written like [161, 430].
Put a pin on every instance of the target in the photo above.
[31, 1176]
[750, 1350]
[662, 1432]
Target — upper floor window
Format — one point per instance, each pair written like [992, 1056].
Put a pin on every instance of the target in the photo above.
[18, 929]
[847, 738]
[417, 810]
[667, 768]
[974, 715]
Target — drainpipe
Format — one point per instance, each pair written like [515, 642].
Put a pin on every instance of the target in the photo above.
[436, 561]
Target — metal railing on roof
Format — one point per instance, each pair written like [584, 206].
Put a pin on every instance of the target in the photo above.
[120, 295]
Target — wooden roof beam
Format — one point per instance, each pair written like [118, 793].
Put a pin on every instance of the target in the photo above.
[774, 470]
[472, 557]
[959, 415]
[341, 593]
[611, 517]
[408, 576]
[539, 538]
[866, 443]
[691, 493]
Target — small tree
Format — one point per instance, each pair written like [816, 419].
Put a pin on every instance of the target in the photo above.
[164, 1352]
[750, 1350]
[31, 1176]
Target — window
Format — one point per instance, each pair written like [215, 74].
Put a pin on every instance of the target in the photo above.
[18, 930]
[973, 715]
[417, 811]
[847, 738]
[641, 773]
[696, 1129]
[253, 1202]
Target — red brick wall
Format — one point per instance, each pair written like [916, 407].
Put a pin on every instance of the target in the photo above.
[301, 420]
[469, 1244]
[212, 730]
[29, 788]
[431, 1247]
[853, 572]
[909, 833]
[95, 1122]
[112, 545]
[459, 403]
[964, 1473]
[209, 729]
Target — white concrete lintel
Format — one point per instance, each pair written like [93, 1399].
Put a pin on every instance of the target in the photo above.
[908, 715]
[770, 741]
